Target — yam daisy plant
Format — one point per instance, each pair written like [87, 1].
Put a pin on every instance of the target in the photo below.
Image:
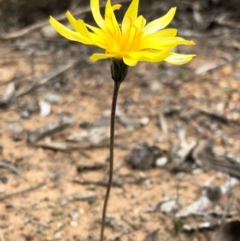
[125, 44]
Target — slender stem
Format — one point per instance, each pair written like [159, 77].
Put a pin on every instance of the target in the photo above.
[111, 157]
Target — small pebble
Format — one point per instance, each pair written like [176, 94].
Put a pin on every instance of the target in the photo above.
[63, 202]
[148, 184]
[45, 108]
[25, 114]
[58, 235]
[144, 121]
[74, 216]
[156, 86]
[169, 206]
[74, 223]
[2, 190]
[52, 97]
[15, 129]
[59, 225]
[161, 161]
[48, 31]
[197, 171]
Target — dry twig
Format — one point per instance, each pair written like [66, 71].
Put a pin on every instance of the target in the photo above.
[26, 89]
[29, 189]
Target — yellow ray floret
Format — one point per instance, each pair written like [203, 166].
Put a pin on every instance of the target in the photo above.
[131, 41]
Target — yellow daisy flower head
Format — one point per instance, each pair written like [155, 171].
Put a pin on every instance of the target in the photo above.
[129, 42]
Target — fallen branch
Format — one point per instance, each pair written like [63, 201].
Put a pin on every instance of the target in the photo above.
[46, 79]
[116, 183]
[49, 129]
[11, 167]
[65, 147]
[29, 189]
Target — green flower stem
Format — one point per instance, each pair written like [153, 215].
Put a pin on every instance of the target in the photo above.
[111, 157]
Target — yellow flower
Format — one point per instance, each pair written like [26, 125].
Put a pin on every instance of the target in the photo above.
[131, 41]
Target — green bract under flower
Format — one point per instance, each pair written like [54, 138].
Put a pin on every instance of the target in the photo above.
[131, 41]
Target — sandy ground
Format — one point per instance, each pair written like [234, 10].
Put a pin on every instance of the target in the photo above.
[44, 194]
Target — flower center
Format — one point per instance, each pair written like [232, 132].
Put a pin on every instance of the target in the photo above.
[119, 42]
[131, 38]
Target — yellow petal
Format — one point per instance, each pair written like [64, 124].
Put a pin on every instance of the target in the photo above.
[131, 13]
[182, 41]
[179, 59]
[150, 56]
[129, 60]
[160, 23]
[101, 33]
[82, 29]
[116, 7]
[67, 33]
[96, 30]
[96, 13]
[98, 34]
[140, 22]
[110, 20]
[103, 39]
[163, 43]
[71, 20]
[96, 57]
[159, 44]
[78, 25]
[169, 32]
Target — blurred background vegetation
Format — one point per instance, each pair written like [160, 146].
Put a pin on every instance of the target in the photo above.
[17, 14]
